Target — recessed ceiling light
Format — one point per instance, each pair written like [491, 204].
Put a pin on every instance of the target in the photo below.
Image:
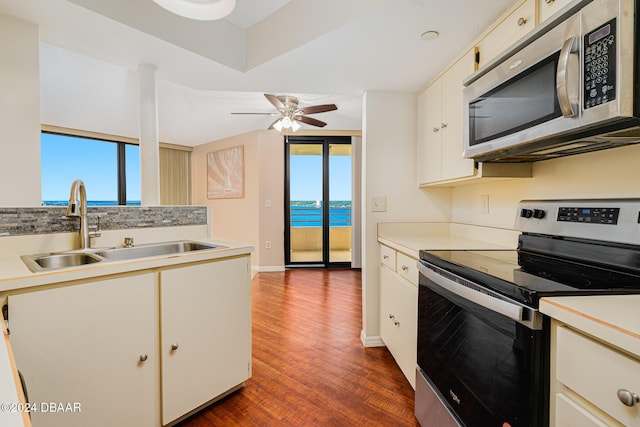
[202, 10]
[429, 35]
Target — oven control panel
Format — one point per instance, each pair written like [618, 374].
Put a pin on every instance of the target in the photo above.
[614, 220]
[607, 216]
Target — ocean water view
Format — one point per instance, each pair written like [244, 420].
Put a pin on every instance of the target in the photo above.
[304, 213]
[308, 213]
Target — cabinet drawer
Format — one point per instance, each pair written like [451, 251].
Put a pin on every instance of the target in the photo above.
[408, 268]
[597, 372]
[569, 413]
[388, 257]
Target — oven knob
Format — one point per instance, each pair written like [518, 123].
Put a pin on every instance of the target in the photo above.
[526, 213]
[538, 213]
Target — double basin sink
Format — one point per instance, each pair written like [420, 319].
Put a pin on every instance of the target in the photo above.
[56, 260]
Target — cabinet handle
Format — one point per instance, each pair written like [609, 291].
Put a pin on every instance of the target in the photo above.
[405, 268]
[549, 1]
[436, 130]
[174, 346]
[391, 316]
[385, 257]
[143, 357]
[443, 125]
[522, 21]
[627, 397]
[396, 323]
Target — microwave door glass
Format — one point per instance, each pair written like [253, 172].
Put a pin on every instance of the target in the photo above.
[523, 101]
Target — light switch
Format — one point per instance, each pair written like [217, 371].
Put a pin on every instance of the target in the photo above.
[267, 203]
[379, 204]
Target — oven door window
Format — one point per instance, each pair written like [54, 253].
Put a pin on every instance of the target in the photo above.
[528, 99]
[487, 368]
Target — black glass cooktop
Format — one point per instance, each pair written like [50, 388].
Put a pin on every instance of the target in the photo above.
[527, 274]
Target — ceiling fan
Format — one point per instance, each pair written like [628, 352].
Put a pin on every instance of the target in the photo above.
[290, 116]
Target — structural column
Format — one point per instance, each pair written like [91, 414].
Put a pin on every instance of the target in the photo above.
[149, 142]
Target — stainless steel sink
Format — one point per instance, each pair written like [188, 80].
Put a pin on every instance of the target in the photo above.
[59, 260]
[155, 249]
[56, 260]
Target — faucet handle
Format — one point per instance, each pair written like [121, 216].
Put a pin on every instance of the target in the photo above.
[98, 229]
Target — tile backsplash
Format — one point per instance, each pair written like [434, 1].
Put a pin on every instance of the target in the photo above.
[46, 220]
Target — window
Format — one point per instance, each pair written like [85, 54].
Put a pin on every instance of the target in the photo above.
[109, 169]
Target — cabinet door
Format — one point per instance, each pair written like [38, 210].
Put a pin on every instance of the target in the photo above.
[453, 164]
[388, 307]
[205, 333]
[82, 345]
[515, 25]
[550, 7]
[429, 140]
[399, 320]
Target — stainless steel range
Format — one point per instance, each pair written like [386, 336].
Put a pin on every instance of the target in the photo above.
[483, 346]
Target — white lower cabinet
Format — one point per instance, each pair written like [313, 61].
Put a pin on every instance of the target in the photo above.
[206, 333]
[134, 350]
[399, 314]
[587, 378]
[93, 346]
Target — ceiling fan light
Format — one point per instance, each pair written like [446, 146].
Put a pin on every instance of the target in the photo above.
[286, 122]
[278, 125]
[201, 10]
[295, 125]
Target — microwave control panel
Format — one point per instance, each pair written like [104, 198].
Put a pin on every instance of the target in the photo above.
[600, 65]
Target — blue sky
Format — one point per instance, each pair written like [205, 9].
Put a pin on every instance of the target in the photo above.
[65, 159]
[306, 177]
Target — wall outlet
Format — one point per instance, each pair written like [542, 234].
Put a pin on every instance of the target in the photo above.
[267, 244]
[484, 203]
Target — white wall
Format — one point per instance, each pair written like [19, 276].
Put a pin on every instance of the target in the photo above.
[389, 170]
[20, 180]
[601, 174]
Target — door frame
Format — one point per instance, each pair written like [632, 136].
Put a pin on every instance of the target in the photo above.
[326, 141]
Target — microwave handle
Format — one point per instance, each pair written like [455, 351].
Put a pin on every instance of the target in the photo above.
[568, 108]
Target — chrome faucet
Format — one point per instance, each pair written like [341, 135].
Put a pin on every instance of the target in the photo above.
[77, 207]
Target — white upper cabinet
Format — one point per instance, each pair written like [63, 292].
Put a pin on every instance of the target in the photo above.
[550, 7]
[514, 26]
[440, 126]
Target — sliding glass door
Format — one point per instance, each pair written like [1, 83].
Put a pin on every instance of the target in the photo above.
[318, 201]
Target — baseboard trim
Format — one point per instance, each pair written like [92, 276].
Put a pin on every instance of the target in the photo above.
[267, 268]
[373, 341]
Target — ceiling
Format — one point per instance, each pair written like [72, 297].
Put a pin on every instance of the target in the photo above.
[329, 51]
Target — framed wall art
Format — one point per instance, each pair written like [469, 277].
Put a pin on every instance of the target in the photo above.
[225, 173]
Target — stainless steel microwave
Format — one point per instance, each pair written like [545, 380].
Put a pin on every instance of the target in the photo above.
[570, 87]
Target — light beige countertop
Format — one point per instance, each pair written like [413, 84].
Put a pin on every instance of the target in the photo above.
[410, 238]
[614, 319]
[14, 274]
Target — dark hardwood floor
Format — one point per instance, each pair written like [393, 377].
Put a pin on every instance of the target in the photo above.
[309, 365]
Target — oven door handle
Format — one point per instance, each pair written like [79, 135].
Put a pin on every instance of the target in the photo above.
[510, 310]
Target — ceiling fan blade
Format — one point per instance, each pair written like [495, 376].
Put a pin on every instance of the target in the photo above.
[275, 101]
[310, 121]
[314, 109]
